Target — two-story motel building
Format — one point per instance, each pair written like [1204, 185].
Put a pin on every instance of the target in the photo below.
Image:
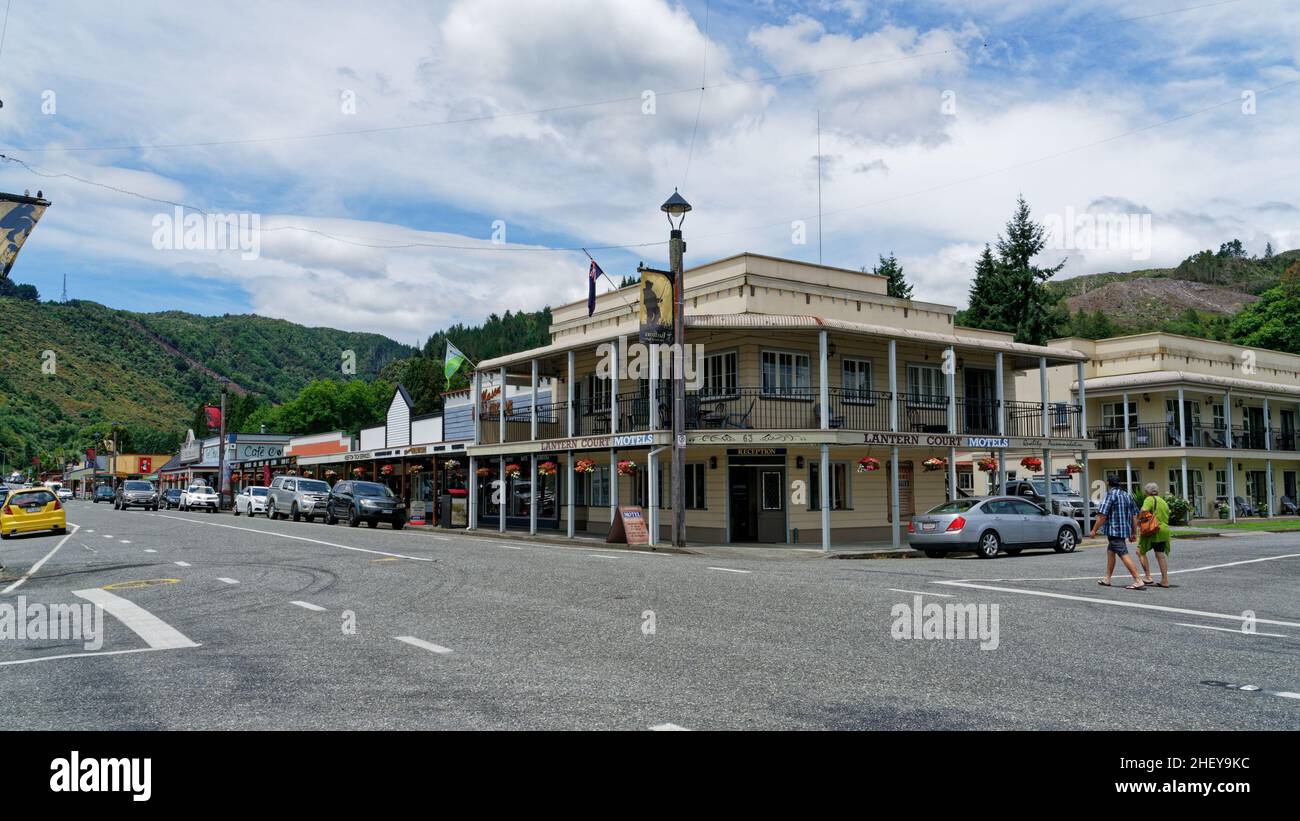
[1208, 421]
[804, 370]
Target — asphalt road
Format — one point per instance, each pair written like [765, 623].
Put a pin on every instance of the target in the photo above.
[241, 624]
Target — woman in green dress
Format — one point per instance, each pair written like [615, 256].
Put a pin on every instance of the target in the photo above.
[1159, 541]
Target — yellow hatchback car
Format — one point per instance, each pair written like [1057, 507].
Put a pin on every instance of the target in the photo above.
[25, 510]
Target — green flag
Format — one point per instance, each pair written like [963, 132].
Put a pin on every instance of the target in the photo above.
[452, 361]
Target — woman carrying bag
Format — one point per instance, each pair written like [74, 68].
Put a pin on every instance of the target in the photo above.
[1154, 533]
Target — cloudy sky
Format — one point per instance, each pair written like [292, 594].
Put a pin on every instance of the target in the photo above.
[414, 164]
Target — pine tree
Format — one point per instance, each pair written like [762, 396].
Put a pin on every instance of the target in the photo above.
[984, 309]
[1268, 250]
[1027, 305]
[897, 286]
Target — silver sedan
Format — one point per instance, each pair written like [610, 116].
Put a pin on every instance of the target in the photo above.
[991, 525]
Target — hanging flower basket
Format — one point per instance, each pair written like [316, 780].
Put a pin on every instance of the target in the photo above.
[1073, 468]
[514, 471]
[358, 472]
[387, 470]
[1032, 464]
[867, 464]
[988, 464]
[414, 468]
[934, 463]
[235, 477]
[626, 467]
[585, 466]
[547, 469]
[452, 464]
[484, 473]
[308, 473]
[291, 473]
[330, 474]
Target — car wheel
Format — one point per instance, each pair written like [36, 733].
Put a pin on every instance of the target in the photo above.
[330, 518]
[293, 512]
[1066, 540]
[270, 511]
[353, 518]
[236, 510]
[934, 554]
[989, 545]
[372, 523]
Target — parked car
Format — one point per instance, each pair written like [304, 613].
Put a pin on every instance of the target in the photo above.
[136, 493]
[64, 494]
[171, 498]
[199, 497]
[251, 500]
[989, 525]
[27, 510]
[104, 493]
[294, 497]
[1066, 501]
[368, 502]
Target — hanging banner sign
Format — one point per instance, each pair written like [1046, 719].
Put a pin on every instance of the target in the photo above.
[18, 216]
[656, 314]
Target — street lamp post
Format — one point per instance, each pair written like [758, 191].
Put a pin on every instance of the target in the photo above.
[221, 448]
[677, 206]
[112, 479]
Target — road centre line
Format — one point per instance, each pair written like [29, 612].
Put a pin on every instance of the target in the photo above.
[920, 593]
[308, 605]
[157, 633]
[728, 570]
[669, 727]
[425, 645]
[32, 571]
[1116, 603]
[85, 655]
[227, 581]
[297, 538]
[1230, 630]
[182, 564]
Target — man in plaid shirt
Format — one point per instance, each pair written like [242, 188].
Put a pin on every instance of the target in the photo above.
[1117, 517]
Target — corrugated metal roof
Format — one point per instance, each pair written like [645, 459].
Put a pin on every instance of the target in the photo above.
[1146, 381]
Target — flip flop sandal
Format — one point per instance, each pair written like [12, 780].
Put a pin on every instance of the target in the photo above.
[1104, 584]
[1135, 587]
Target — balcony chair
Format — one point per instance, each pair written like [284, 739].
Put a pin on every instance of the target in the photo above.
[1141, 438]
[834, 421]
[738, 420]
[1289, 506]
[1245, 508]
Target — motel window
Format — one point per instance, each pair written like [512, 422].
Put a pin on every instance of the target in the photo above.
[927, 385]
[600, 487]
[1220, 484]
[965, 480]
[857, 380]
[1112, 415]
[840, 499]
[1122, 475]
[694, 474]
[1060, 415]
[1218, 417]
[720, 374]
[785, 372]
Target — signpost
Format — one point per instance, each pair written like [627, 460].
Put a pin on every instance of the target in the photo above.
[629, 527]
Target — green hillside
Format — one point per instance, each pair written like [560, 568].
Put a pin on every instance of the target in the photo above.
[151, 372]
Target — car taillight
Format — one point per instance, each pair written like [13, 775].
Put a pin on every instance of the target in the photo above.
[9, 511]
[57, 506]
[911, 528]
[957, 524]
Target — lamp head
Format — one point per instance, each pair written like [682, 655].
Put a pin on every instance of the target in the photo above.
[676, 206]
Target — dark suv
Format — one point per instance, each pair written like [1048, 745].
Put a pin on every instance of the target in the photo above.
[368, 502]
[104, 493]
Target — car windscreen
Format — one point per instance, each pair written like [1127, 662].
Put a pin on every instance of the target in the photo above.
[1058, 488]
[371, 489]
[312, 486]
[138, 486]
[257, 491]
[955, 506]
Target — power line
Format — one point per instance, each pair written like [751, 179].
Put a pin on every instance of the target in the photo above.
[591, 104]
[704, 76]
[4, 29]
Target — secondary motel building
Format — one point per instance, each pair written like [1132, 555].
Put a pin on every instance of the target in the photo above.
[1205, 420]
[805, 371]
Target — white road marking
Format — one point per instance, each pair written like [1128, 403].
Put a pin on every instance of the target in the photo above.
[508, 546]
[108, 535]
[727, 569]
[297, 538]
[128, 541]
[308, 605]
[90, 531]
[919, 593]
[1231, 630]
[601, 556]
[1171, 572]
[44, 559]
[1288, 695]
[1116, 603]
[85, 655]
[182, 564]
[148, 550]
[157, 633]
[227, 581]
[426, 645]
[668, 727]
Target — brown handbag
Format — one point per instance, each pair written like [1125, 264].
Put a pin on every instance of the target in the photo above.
[1148, 524]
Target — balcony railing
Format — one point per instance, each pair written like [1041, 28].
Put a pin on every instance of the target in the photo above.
[1166, 435]
[796, 409]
